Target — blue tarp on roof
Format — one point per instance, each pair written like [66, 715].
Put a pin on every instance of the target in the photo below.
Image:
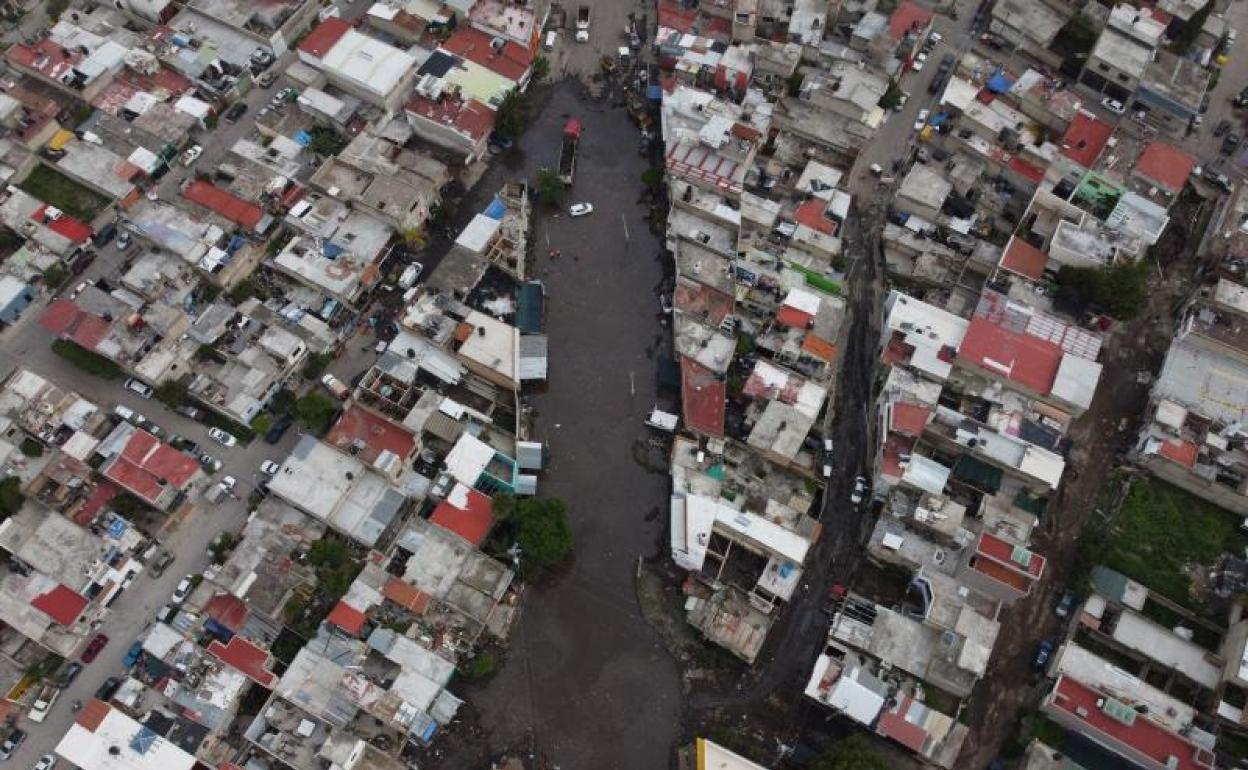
[303, 138]
[999, 83]
[496, 209]
[655, 93]
[331, 250]
[938, 119]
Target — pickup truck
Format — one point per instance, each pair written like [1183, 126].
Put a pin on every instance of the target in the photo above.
[43, 704]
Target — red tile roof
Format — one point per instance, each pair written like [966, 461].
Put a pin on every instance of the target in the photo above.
[374, 433]
[320, 40]
[347, 618]
[225, 203]
[702, 396]
[818, 347]
[1003, 551]
[810, 214]
[909, 419]
[406, 595]
[908, 16]
[146, 462]
[472, 522]
[470, 116]
[1022, 358]
[790, 316]
[92, 714]
[700, 300]
[68, 321]
[62, 604]
[511, 61]
[1165, 165]
[1084, 139]
[228, 610]
[245, 657]
[1143, 735]
[1024, 259]
[64, 225]
[1182, 452]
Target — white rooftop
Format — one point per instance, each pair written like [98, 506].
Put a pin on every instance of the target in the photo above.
[113, 741]
[375, 66]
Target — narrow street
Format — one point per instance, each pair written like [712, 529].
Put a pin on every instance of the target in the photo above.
[585, 675]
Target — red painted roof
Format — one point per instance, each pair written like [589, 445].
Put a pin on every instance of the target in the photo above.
[347, 618]
[228, 610]
[907, 16]
[1084, 139]
[324, 37]
[471, 522]
[1029, 361]
[94, 505]
[909, 419]
[225, 203]
[1024, 259]
[1143, 735]
[62, 604]
[698, 299]
[511, 61]
[374, 433]
[68, 321]
[1002, 550]
[702, 397]
[469, 116]
[790, 316]
[1026, 170]
[810, 214]
[1182, 452]
[245, 657]
[1165, 165]
[671, 14]
[64, 225]
[45, 57]
[893, 724]
[145, 461]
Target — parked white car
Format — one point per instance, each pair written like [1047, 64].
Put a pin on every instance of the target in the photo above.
[581, 209]
[221, 437]
[139, 387]
[921, 120]
[192, 155]
[183, 590]
[269, 468]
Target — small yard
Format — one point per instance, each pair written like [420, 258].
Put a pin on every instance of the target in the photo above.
[86, 360]
[1162, 532]
[56, 189]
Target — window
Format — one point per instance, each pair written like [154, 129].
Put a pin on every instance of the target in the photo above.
[1102, 66]
[1122, 78]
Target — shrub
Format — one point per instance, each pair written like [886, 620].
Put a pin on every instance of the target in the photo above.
[87, 361]
[31, 448]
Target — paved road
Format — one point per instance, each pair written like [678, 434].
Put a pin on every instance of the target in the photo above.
[587, 683]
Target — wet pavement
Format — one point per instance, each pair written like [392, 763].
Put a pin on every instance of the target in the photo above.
[587, 682]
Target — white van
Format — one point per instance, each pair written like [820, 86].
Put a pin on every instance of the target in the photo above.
[549, 42]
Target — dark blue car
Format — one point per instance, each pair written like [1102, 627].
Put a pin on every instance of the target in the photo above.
[132, 655]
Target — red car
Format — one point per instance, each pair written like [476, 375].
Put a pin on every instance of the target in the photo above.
[94, 647]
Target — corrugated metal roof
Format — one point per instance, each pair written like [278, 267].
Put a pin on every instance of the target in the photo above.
[533, 357]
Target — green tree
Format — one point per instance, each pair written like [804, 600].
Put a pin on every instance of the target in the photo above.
[540, 527]
[10, 496]
[55, 276]
[852, 753]
[1190, 29]
[314, 410]
[541, 68]
[550, 187]
[652, 178]
[892, 95]
[245, 290]
[512, 116]
[1119, 290]
[414, 238]
[794, 84]
[171, 393]
[316, 364]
